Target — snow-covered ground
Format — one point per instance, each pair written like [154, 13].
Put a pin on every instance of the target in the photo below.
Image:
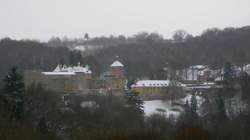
[199, 99]
[84, 48]
[152, 107]
[168, 108]
[89, 104]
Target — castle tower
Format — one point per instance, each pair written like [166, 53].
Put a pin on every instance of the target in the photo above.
[116, 80]
[116, 69]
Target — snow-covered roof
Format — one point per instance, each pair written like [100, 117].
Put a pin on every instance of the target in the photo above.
[68, 70]
[152, 83]
[117, 64]
[198, 67]
[58, 73]
[77, 69]
[80, 69]
[209, 83]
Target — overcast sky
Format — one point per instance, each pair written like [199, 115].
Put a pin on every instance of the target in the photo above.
[42, 19]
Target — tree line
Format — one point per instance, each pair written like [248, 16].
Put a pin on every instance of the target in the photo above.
[36, 113]
[34, 55]
[144, 54]
[147, 57]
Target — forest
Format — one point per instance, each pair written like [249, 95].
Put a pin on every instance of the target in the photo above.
[36, 113]
[144, 54]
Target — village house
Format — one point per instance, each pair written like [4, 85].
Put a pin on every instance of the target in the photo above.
[196, 74]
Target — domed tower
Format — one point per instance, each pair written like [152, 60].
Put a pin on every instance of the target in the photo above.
[116, 69]
[117, 80]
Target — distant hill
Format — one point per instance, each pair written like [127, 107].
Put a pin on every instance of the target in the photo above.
[144, 55]
[30, 55]
[146, 58]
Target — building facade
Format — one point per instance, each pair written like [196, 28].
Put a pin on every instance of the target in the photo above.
[78, 79]
[115, 78]
[62, 78]
[151, 88]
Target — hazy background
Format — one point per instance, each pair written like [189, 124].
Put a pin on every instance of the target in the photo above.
[42, 19]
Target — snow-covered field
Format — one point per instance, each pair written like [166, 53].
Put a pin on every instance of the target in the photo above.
[166, 107]
[154, 106]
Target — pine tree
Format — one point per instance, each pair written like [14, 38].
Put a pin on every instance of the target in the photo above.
[221, 109]
[193, 105]
[13, 95]
[228, 75]
[42, 125]
[245, 86]
[86, 36]
[134, 100]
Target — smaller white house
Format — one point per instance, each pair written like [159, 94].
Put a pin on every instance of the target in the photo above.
[192, 73]
[246, 68]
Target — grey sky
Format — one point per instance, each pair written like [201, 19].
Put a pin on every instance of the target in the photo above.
[42, 19]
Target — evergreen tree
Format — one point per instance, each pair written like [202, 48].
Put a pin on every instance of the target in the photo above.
[193, 105]
[86, 36]
[221, 109]
[245, 86]
[42, 125]
[189, 116]
[135, 102]
[13, 95]
[228, 75]
[186, 106]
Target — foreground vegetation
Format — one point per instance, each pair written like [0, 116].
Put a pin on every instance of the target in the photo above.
[39, 114]
[36, 113]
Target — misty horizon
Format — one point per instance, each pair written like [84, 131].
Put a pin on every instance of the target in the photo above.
[45, 19]
[124, 69]
[126, 36]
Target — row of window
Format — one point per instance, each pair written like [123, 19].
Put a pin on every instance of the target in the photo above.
[156, 85]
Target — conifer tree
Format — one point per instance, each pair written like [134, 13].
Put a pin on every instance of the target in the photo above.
[42, 125]
[245, 86]
[86, 36]
[134, 100]
[228, 75]
[193, 105]
[221, 109]
[13, 91]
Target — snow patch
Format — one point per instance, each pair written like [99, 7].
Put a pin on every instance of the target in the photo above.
[89, 104]
[153, 107]
[168, 108]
